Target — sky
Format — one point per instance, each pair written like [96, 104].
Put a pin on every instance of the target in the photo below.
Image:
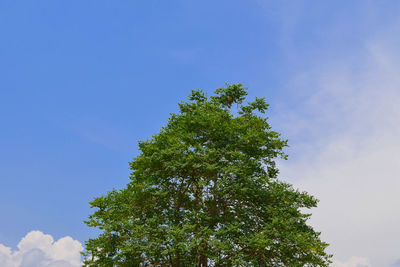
[81, 82]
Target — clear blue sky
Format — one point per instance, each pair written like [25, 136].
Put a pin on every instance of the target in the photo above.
[82, 81]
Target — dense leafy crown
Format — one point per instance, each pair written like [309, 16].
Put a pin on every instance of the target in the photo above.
[204, 192]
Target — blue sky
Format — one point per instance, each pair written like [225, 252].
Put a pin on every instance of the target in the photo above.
[82, 81]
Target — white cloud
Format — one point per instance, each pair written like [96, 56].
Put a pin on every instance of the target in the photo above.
[38, 249]
[352, 160]
[352, 262]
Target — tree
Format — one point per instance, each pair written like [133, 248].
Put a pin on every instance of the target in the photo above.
[204, 192]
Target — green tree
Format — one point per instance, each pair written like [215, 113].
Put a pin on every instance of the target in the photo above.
[204, 192]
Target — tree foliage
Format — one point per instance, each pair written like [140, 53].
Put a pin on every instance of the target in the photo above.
[204, 192]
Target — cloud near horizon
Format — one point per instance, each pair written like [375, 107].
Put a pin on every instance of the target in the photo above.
[39, 249]
[352, 262]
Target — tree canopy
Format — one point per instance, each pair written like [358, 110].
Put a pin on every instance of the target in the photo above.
[204, 191]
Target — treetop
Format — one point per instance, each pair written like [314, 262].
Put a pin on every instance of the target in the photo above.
[204, 191]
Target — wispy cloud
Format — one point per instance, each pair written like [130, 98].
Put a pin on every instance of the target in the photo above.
[103, 133]
[351, 160]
